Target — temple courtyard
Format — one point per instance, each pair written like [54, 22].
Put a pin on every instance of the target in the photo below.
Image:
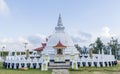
[31, 42]
[59, 56]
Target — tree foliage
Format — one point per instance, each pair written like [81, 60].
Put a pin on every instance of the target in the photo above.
[78, 47]
[115, 46]
[97, 46]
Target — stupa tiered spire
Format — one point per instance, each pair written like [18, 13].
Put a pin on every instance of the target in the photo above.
[59, 27]
[60, 21]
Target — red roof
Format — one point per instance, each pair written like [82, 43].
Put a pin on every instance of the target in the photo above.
[43, 44]
[40, 48]
[59, 45]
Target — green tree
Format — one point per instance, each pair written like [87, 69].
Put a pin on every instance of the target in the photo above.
[78, 48]
[114, 45]
[84, 51]
[97, 46]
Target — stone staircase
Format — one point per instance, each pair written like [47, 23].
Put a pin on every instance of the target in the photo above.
[53, 65]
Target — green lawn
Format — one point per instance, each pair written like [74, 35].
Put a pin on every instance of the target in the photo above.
[81, 70]
[33, 71]
[30, 71]
[96, 70]
[92, 72]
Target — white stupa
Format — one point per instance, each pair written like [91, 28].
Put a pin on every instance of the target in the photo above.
[60, 44]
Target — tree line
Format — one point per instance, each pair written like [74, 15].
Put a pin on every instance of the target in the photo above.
[113, 45]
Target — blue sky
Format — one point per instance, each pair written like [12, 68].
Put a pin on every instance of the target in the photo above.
[84, 20]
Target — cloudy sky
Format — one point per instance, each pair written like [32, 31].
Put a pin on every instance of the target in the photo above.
[33, 20]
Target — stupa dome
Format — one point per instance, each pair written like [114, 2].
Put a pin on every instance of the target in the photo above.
[62, 37]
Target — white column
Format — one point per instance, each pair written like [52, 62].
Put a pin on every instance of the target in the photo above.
[31, 65]
[20, 65]
[37, 65]
[10, 65]
[102, 52]
[98, 64]
[14, 65]
[110, 51]
[74, 65]
[107, 64]
[99, 52]
[87, 63]
[25, 65]
[92, 63]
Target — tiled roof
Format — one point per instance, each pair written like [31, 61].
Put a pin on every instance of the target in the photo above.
[40, 48]
[59, 45]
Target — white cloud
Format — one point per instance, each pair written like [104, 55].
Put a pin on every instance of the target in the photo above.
[106, 32]
[42, 37]
[82, 38]
[12, 44]
[23, 40]
[37, 39]
[17, 44]
[4, 9]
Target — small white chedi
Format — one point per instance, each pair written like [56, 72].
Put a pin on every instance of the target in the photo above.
[59, 52]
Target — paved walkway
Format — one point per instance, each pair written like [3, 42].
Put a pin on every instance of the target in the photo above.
[118, 61]
[60, 71]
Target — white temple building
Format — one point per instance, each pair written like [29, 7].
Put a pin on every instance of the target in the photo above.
[59, 52]
[60, 45]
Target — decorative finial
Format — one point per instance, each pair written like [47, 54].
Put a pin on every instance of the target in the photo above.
[59, 27]
[60, 21]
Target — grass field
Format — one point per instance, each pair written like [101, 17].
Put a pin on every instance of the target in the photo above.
[96, 70]
[82, 70]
